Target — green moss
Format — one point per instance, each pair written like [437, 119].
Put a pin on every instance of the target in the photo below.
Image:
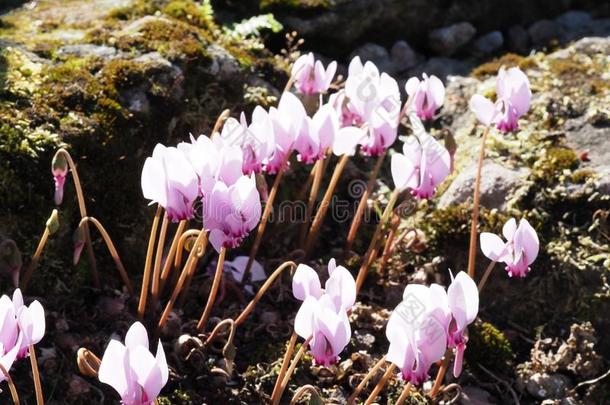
[300, 4]
[554, 161]
[488, 346]
[581, 176]
[200, 15]
[562, 67]
[509, 60]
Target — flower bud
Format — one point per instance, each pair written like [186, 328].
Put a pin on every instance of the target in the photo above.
[79, 243]
[59, 168]
[53, 222]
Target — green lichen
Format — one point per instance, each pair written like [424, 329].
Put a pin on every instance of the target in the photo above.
[509, 60]
[554, 161]
[488, 346]
[201, 15]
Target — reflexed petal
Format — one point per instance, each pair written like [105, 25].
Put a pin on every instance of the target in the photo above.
[492, 246]
[412, 86]
[153, 181]
[136, 336]
[509, 228]
[114, 367]
[483, 108]
[303, 322]
[341, 286]
[436, 90]
[162, 363]
[347, 140]
[526, 237]
[403, 172]
[463, 298]
[305, 283]
[38, 321]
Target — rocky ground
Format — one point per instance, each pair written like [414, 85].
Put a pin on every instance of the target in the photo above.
[109, 79]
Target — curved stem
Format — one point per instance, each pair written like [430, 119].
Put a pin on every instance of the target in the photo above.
[472, 249]
[293, 366]
[324, 205]
[250, 307]
[200, 244]
[158, 258]
[83, 213]
[371, 252]
[353, 229]
[88, 363]
[181, 243]
[167, 266]
[302, 391]
[111, 249]
[488, 270]
[221, 120]
[384, 379]
[218, 327]
[35, 259]
[264, 218]
[405, 394]
[285, 361]
[11, 385]
[440, 376]
[313, 195]
[215, 284]
[365, 380]
[389, 243]
[36, 376]
[147, 264]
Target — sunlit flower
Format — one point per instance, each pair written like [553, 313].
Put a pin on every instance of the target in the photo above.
[288, 120]
[256, 140]
[417, 331]
[427, 95]
[317, 135]
[423, 164]
[518, 252]
[513, 100]
[169, 180]
[132, 370]
[309, 74]
[323, 314]
[231, 212]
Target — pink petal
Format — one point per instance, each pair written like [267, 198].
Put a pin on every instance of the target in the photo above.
[509, 229]
[527, 238]
[403, 172]
[305, 283]
[412, 86]
[483, 108]
[463, 299]
[347, 140]
[436, 90]
[136, 336]
[492, 246]
[303, 322]
[341, 286]
[114, 367]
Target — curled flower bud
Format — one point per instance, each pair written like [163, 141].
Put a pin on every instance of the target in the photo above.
[53, 222]
[88, 363]
[59, 168]
[79, 243]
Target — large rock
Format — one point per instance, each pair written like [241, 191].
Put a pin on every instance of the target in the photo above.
[340, 23]
[403, 56]
[448, 40]
[376, 54]
[592, 139]
[518, 39]
[497, 183]
[544, 31]
[488, 43]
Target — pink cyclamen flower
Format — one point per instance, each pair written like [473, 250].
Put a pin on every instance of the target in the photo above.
[317, 135]
[513, 100]
[423, 165]
[323, 314]
[231, 212]
[463, 302]
[417, 331]
[427, 95]
[132, 370]
[237, 268]
[373, 100]
[288, 120]
[169, 180]
[309, 74]
[59, 169]
[11, 338]
[518, 252]
[256, 140]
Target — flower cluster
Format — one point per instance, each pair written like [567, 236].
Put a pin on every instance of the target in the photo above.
[323, 314]
[427, 322]
[21, 326]
[132, 370]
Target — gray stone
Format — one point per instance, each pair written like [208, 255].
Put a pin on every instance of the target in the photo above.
[518, 39]
[84, 50]
[543, 385]
[448, 40]
[574, 20]
[497, 184]
[585, 137]
[376, 54]
[472, 395]
[403, 56]
[223, 65]
[544, 31]
[489, 42]
[442, 67]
